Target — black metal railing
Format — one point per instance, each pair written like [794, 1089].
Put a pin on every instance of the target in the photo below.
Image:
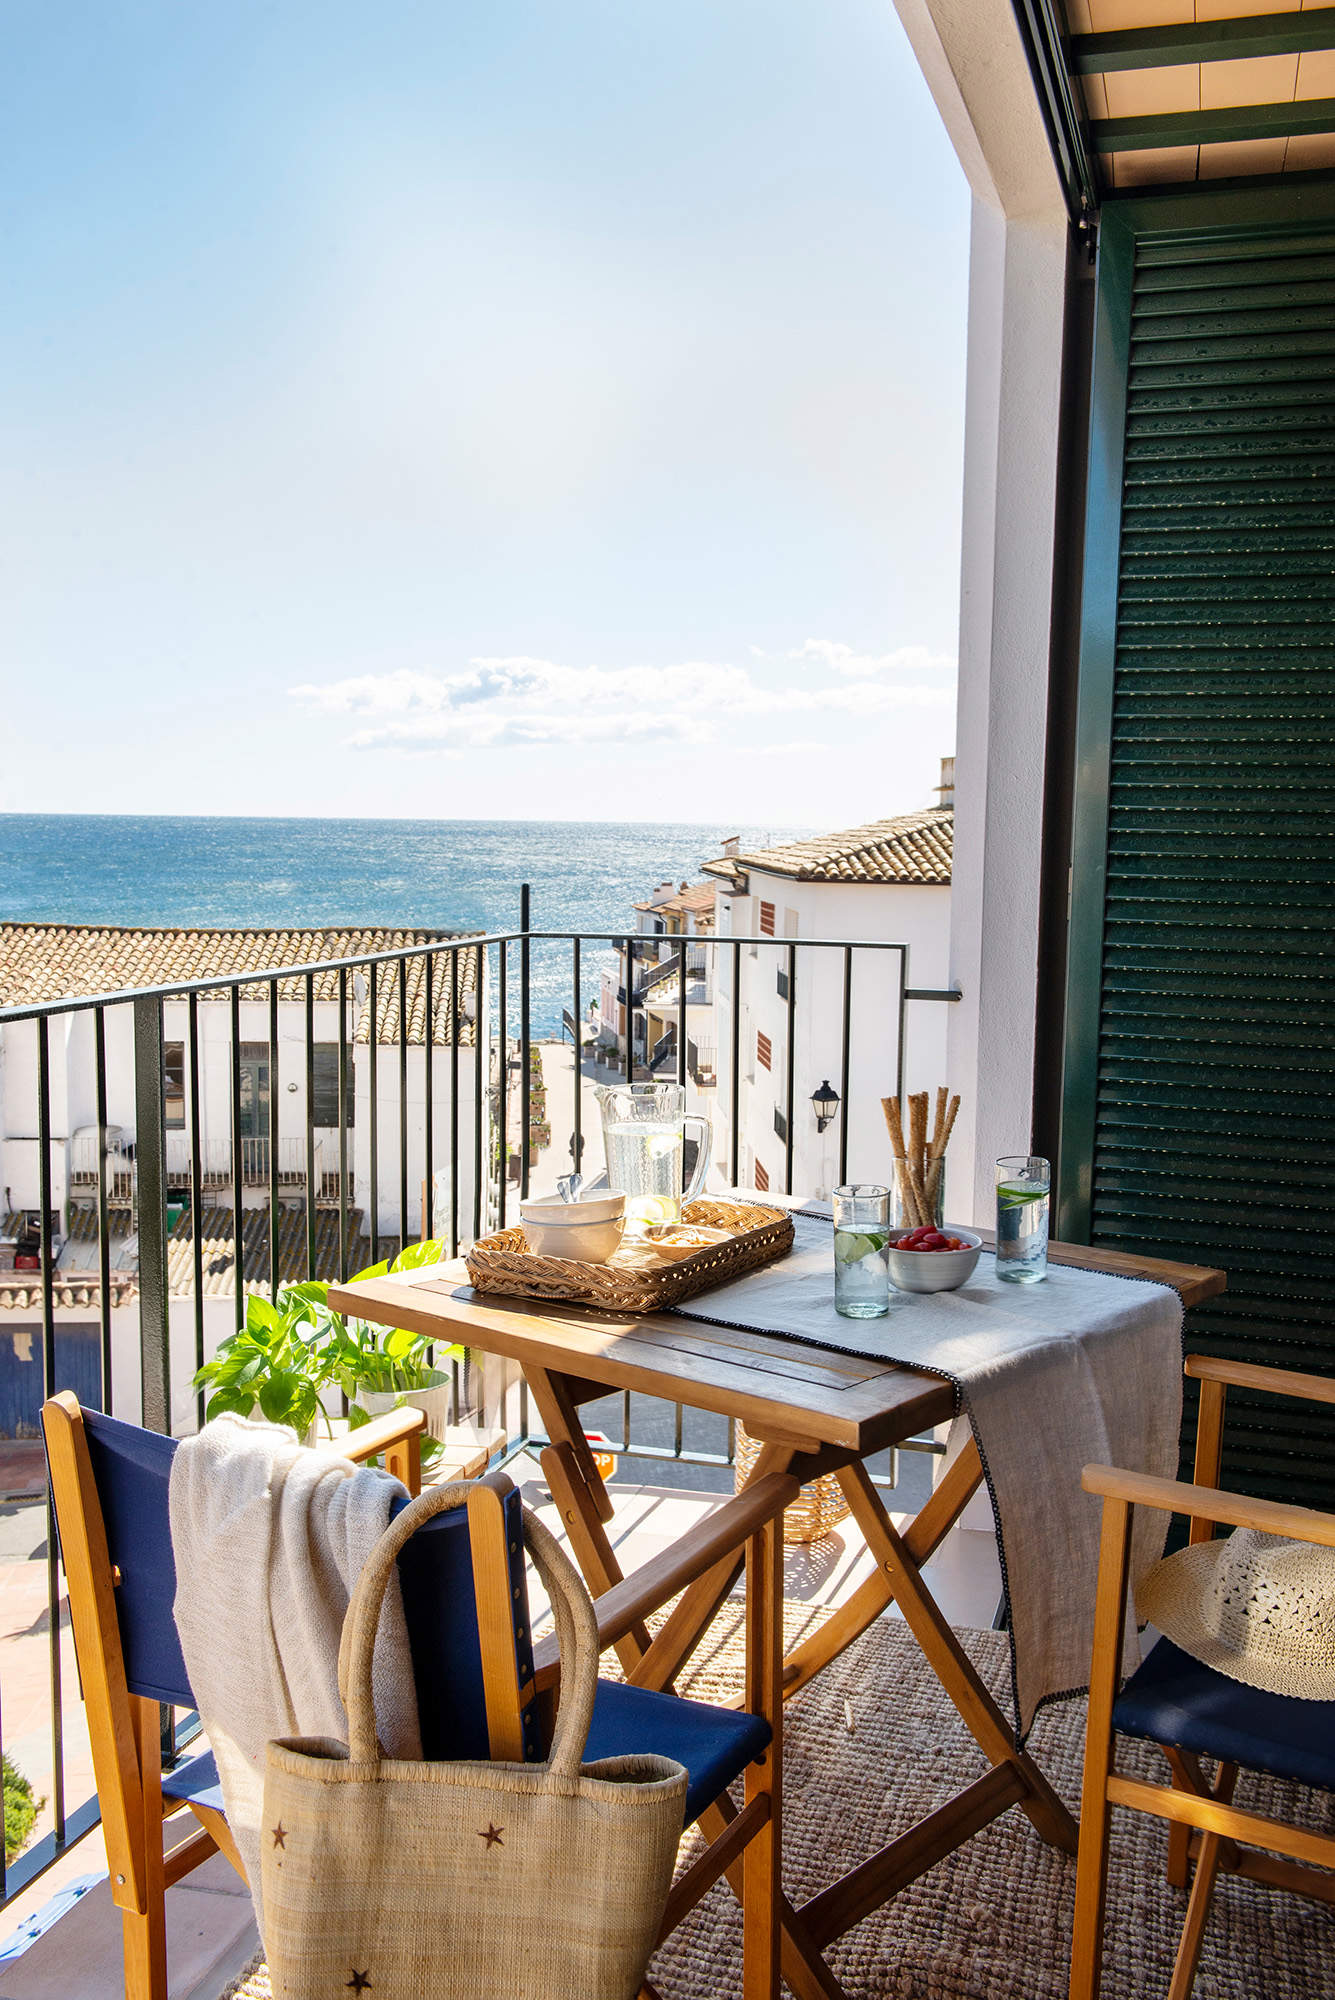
[433, 1136]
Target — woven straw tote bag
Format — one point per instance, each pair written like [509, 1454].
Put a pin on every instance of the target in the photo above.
[466, 1881]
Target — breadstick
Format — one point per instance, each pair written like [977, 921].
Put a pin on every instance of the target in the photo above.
[895, 1127]
[939, 1152]
[939, 1122]
[917, 1149]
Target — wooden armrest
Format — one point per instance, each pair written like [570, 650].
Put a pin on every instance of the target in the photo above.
[373, 1438]
[1234, 1510]
[1274, 1381]
[661, 1578]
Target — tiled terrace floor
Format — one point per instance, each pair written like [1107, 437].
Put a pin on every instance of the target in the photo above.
[211, 1933]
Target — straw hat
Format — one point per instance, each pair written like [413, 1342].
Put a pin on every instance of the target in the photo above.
[1256, 1607]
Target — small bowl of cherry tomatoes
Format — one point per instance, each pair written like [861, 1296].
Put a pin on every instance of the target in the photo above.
[933, 1260]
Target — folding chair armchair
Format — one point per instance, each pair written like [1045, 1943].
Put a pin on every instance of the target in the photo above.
[1192, 1711]
[464, 1589]
[109, 1486]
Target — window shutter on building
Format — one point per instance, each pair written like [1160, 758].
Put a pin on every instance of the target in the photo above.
[764, 1050]
[762, 1179]
[1199, 1102]
[767, 919]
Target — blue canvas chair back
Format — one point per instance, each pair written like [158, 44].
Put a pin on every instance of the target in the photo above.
[132, 1469]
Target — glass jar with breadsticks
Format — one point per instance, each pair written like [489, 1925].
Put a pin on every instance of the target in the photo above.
[918, 1185]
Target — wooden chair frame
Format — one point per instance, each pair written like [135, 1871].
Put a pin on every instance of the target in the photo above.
[805, 1930]
[1204, 1825]
[744, 1842]
[125, 1730]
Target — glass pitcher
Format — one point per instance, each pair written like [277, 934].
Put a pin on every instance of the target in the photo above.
[644, 1135]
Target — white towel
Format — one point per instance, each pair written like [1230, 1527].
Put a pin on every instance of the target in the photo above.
[268, 1540]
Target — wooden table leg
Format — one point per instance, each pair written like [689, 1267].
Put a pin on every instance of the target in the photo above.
[699, 1603]
[582, 1500]
[799, 1958]
[951, 1664]
[560, 1412]
[924, 1534]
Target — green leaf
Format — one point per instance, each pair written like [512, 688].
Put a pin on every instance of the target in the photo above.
[315, 1293]
[304, 1406]
[400, 1343]
[418, 1254]
[262, 1319]
[371, 1271]
[279, 1394]
[357, 1416]
[226, 1402]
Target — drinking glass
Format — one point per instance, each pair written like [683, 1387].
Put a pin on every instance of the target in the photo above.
[861, 1266]
[1023, 1181]
[903, 1219]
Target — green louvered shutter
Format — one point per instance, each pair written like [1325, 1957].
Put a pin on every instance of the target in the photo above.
[1212, 1062]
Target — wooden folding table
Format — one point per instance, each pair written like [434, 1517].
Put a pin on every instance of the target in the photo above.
[812, 1412]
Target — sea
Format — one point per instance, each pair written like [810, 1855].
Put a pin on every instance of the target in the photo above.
[452, 875]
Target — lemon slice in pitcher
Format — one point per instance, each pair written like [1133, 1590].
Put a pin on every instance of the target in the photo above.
[644, 1209]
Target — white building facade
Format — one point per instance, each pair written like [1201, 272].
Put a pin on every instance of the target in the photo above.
[885, 886]
[677, 919]
[281, 1069]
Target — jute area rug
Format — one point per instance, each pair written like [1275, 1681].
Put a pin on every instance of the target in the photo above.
[871, 1747]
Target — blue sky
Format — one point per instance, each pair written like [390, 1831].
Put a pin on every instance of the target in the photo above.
[547, 410]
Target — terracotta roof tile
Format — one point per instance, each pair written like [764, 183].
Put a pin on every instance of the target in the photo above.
[218, 1247]
[697, 899]
[22, 1290]
[913, 848]
[47, 962]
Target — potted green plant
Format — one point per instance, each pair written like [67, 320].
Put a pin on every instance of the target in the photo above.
[290, 1351]
[378, 1368]
[275, 1362]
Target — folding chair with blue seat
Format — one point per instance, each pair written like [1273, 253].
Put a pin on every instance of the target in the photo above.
[464, 1591]
[109, 1487]
[1192, 1711]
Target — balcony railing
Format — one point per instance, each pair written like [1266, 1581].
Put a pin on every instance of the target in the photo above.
[216, 1217]
[217, 1163]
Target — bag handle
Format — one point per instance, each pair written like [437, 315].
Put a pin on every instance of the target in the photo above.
[576, 1630]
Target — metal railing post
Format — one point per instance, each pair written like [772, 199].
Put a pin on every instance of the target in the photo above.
[525, 1044]
[150, 1156]
[789, 1067]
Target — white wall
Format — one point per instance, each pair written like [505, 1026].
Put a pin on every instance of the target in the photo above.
[973, 60]
[387, 1135]
[73, 1099]
[917, 917]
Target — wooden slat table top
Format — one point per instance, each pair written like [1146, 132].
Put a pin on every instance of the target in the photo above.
[779, 1389]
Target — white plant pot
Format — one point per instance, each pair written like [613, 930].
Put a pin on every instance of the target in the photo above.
[433, 1402]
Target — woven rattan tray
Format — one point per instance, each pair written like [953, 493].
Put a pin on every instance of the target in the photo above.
[628, 1282]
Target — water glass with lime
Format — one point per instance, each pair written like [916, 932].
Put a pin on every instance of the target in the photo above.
[861, 1265]
[1023, 1182]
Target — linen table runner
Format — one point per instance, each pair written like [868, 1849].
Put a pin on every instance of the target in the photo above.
[1084, 1367]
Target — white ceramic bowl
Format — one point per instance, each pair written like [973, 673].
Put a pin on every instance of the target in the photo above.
[935, 1270]
[585, 1232]
[589, 1208]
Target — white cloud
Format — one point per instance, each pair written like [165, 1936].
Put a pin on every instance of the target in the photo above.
[517, 701]
[456, 733]
[841, 659]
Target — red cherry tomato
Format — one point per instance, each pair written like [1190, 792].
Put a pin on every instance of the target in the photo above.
[933, 1240]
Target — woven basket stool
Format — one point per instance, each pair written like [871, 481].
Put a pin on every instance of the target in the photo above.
[817, 1508]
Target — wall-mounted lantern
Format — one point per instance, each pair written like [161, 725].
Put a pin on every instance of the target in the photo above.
[825, 1104]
